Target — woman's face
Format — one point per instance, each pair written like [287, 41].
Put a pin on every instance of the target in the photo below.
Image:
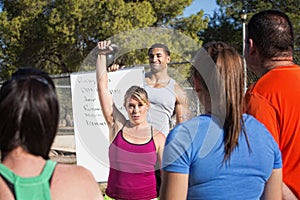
[137, 111]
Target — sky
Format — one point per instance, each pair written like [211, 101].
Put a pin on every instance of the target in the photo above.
[207, 5]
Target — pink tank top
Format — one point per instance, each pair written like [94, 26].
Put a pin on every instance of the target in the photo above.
[132, 169]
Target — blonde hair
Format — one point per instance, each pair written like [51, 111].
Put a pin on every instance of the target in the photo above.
[137, 93]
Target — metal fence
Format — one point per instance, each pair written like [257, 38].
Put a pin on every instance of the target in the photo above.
[63, 88]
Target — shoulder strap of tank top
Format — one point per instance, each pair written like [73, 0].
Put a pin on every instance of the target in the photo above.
[47, 172]
[7, 174]
[171, 82]
[10, 178]
[8, 183]
[124, 125]
[121, 130]
[151, 131]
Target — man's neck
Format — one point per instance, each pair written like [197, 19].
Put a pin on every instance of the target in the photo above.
[158, 80]
[274, 63]
[159, 76]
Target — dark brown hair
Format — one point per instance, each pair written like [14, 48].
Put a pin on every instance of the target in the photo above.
[161, 46]
[29, 112]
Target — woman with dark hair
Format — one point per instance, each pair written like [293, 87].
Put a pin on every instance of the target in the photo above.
[223, 153]
[29, 113]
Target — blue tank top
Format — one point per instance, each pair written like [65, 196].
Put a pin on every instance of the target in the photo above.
[162, 105]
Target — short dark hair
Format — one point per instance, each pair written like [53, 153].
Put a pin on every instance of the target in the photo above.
[161, 46]
[29, 112]
[272, 32]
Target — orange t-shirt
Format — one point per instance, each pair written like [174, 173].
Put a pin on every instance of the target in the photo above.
[275, 101]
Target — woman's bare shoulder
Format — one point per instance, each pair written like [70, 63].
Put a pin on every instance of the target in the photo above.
[158, 134]
[72, 170]
[159, 137]
[74, 182]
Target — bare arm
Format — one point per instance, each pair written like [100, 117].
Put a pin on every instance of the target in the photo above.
[182, 110]
[111, 114]
[159, 139]
[273, 187]
[287, 193]
[174, 186]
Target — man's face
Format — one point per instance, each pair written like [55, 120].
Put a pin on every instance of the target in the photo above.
[158, 59]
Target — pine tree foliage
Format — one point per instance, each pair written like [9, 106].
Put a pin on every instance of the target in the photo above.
[56, 35]
[290, 7]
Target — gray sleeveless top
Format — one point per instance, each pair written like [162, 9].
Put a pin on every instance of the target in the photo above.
[162, 105]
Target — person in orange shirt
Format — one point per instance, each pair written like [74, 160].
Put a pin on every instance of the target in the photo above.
[274, 98]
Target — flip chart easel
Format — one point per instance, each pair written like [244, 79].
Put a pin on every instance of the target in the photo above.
[91, 131]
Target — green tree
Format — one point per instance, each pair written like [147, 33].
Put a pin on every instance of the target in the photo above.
[290, 7]
[223, 28]
[56, 35]
[226, 24]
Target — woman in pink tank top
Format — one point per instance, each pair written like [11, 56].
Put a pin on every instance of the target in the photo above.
[136, 148]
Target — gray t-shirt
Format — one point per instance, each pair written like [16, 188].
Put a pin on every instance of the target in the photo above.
[162, 105]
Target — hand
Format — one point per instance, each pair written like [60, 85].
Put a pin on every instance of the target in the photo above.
[114, 67]
[104, 47]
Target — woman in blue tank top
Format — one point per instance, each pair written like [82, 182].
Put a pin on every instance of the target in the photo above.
[223, 153]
